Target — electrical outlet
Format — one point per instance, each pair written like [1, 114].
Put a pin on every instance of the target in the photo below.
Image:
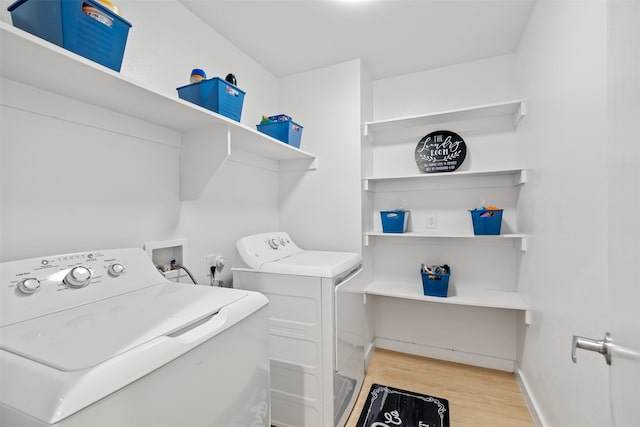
[216, 261]
[432, 221]
[210, 260]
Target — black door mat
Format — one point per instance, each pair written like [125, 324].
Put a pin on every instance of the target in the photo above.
[393, 407]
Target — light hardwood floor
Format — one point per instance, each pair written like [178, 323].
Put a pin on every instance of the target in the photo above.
[477, 396]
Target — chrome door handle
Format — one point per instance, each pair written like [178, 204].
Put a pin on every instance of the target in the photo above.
[602, 346]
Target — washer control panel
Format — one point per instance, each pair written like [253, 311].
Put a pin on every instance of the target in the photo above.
[39, 286]
[257, 249]
[278, 242]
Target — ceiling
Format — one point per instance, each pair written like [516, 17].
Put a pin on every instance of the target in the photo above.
[392, 37]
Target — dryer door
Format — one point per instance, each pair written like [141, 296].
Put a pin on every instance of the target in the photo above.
[349, 344]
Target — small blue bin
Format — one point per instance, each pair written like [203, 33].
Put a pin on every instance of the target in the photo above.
[394, 221]
[216, 95]
[85, 27]
[435, 285]
[486, 222]
[286, 131]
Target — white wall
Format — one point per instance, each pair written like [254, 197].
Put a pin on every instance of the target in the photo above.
[69, 186]
[562, 66]
[78, 178]
[321, 209]
[459, 86]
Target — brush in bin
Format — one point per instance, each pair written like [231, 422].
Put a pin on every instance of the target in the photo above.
[435, 269]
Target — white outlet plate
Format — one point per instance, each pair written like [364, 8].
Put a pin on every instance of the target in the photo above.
[432, 220]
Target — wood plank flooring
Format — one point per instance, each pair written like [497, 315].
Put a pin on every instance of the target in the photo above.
[477, 396]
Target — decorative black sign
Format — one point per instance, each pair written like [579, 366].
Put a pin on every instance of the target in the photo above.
[393, 407]
[440, 151]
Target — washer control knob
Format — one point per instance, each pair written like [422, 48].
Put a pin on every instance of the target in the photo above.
[116, 270]
[282, 241]
[78, 277]
[29, 286]
[273, 243]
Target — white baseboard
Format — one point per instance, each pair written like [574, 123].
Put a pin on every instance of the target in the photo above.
[529, 399]
[449, 355]
[368, 353]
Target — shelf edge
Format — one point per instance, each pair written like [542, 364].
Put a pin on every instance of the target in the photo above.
[520, 305]
[415, 234]
[517, 103]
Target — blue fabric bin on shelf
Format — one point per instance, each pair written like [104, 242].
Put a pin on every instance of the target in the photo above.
[85, 27]
[435, 285]
[486, 222]
[216, 95]
[394, 221]
[286, 131]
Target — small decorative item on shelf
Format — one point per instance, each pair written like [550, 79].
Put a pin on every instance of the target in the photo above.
[231, 78]
[214, 94]
[282, 128]
[197, 75]
[440, 151]
[435, 279]
[486, 220]
[394, 221]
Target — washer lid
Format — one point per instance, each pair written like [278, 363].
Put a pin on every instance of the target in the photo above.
[314, 263]
[87, 335]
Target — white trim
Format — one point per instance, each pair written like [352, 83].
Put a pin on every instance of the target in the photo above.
[447, 354]
[529, 399]
[368, 353]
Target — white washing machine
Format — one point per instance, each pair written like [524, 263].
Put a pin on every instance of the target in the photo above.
[102, 339]
[315, 327]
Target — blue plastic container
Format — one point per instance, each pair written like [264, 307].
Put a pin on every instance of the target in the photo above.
[286, 131]
[435, 285]
[216, 95]
[486, 222]
[96, 33]
[394, 221]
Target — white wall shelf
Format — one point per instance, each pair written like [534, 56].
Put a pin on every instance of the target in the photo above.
[391, 180]
[35, 62]
[478, 119]
[427, 234]
[462, 295]
[440, 235]
[519, 177]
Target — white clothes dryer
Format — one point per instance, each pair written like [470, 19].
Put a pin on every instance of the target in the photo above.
[316, 321]
[101, 338]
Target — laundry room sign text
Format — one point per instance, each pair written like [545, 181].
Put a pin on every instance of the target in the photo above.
[440, 151]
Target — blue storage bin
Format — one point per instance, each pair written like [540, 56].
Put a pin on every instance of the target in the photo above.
[394, 221]
[100, 37]
[216, 95]
[286, 131]
[486, 222]
[435, 285]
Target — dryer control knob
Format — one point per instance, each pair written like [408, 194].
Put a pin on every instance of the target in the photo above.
[78, 277]
[273, 243]
[29, 286]
[116, 270]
